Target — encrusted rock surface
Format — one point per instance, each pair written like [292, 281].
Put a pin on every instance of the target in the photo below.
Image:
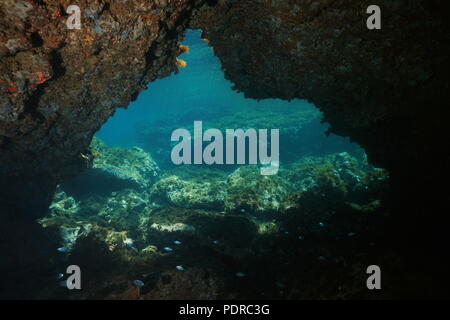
[248, 190]
[178, 192]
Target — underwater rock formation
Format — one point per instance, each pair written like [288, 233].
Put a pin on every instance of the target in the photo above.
[187, 194]
[336, 173]
[115, 169]
[338, 178]
[246, 191]
[179, 244]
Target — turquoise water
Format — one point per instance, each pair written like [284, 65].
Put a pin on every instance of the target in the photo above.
[202, 88]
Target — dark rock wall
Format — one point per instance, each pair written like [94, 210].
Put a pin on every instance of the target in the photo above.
[385, 88]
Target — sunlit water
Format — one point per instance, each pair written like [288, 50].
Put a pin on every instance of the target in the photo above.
[200, 86]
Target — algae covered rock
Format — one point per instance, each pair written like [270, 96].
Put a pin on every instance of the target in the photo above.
[115, 169]
[63, 204]
[124, 209]
[243, 190]
[336, 174]
[248, 190]
[121, 210]
[189, 194]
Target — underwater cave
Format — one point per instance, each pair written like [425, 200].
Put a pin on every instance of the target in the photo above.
[166, 213]
[88, 176]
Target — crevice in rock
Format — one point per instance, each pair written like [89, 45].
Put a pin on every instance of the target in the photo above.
[32, 103]
[36, 39]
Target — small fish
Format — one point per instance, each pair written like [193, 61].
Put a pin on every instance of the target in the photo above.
[168, 249]
[286, 232]
[216, 242]
[138, 283]
[321, 224]
[177, 242]
[300, 237]
[351, 234]
[240, 274]
[59, 276]
[322, 258]
[62, 250]
[180, 268]
[242, 210]
[129, 242]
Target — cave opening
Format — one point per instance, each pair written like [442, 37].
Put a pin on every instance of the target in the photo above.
[200, 92]
[138, 226]
[218, 223]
